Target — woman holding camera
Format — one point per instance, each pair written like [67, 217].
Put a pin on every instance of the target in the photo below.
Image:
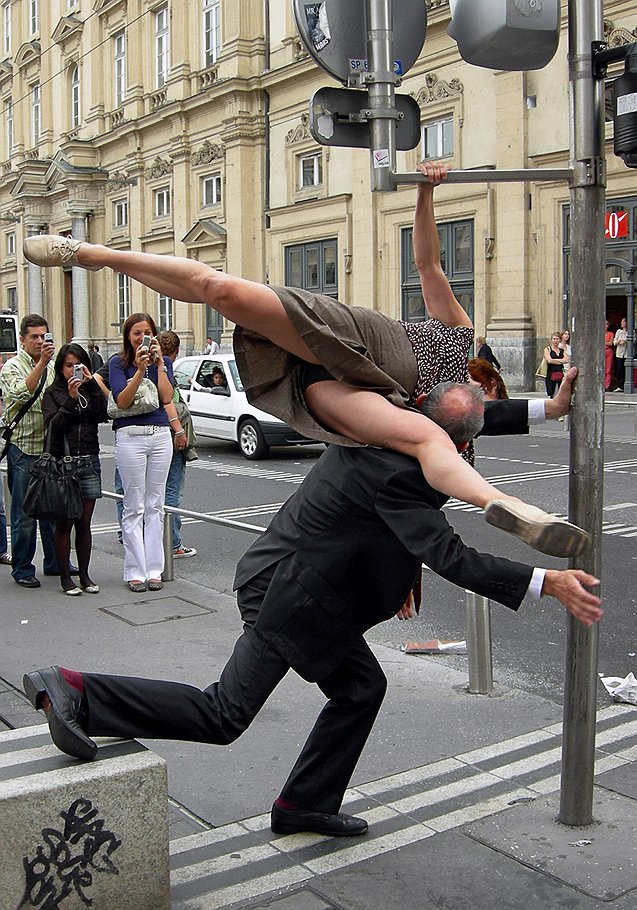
[72, 407]
[143, 448]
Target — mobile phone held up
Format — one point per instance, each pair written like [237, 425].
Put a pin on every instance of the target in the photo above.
[48, 337]
[145, 342]
[78, 372]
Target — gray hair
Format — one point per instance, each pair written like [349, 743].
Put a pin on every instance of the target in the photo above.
[458, 408]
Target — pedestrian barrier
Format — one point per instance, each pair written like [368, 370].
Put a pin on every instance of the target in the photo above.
[78, 834]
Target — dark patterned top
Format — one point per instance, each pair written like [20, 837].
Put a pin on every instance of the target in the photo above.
[441, 353]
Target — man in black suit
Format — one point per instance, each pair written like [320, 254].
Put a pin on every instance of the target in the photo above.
[342, 555]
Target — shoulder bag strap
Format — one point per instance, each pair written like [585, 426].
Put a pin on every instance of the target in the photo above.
[25, 407]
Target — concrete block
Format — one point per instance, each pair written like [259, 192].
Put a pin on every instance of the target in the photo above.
[76, 834]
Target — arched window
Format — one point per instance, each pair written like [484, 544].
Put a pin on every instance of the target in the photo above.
[75, 96]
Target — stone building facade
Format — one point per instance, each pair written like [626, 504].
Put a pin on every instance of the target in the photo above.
[180, 127]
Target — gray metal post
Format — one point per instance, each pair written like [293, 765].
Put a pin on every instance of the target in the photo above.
[478, 634]
[630, 331]
[587, 295]
[169, 568]
[381, 82]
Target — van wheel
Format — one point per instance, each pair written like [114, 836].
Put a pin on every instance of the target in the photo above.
[251, 441]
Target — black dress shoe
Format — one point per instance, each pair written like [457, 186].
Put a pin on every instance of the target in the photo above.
[29, 582]
[67, 714]
[73, 570]
[285, 821]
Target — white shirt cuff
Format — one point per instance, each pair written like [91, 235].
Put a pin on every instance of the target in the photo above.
[535, 585]
[537, 414]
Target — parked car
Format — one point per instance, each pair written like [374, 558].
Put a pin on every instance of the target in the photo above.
[211, 386]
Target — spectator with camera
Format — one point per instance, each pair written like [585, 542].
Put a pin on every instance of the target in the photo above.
[141, 384]
[73, 406]
[24, 379]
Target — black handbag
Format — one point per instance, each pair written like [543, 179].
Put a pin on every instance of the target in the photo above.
[54, 492]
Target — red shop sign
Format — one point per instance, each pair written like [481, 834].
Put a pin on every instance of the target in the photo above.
[615, 225]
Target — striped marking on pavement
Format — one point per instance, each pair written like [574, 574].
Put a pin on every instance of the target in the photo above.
[244, 860]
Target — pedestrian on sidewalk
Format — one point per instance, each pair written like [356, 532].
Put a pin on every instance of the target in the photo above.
[24, 379]
[183, 445]
[73, 409]
[609, 346]
[554, 355]
[620, 341]
[485, 352]
[342, 555]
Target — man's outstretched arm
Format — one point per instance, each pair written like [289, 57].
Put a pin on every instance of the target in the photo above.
[439, 298]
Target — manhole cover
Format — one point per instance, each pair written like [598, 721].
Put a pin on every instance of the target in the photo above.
[153, 609]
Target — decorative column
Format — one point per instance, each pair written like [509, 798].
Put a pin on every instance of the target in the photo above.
[79, 279]
[35, 294]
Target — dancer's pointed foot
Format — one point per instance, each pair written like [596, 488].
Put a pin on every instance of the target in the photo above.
[65, 709]
[539, 529]
[48, 250]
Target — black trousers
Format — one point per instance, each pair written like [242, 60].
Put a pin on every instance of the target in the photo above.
[131, 707]
[620, 367]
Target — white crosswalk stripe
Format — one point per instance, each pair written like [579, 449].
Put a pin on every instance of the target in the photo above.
[243, 860]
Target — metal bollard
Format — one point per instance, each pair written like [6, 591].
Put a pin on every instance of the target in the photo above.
[478, 634]
[169, 570]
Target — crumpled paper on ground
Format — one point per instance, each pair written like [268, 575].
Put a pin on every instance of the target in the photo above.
[624, 690]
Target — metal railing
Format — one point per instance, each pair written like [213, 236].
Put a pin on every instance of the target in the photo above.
[169, 573]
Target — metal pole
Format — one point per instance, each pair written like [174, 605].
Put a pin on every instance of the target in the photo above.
[381, 82]
[169, 569]
[478, 634]
[587, 295]
[490, 175]
[630, 332]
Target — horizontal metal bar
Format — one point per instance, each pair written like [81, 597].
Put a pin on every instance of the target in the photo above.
[200, 516]
[486, 175]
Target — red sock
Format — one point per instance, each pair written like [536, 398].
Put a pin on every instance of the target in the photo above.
[281, 803]
[73, 678]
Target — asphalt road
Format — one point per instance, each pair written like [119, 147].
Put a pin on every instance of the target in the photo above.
[528, 647]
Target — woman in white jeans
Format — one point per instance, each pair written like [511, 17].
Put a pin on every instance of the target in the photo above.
[143, 450]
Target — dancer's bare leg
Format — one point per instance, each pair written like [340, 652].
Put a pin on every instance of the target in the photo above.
[368, 418]
[246, 303]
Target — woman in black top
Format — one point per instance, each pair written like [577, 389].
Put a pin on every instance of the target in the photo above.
[72, 409]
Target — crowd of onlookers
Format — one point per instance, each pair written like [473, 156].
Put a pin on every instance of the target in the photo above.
[54, 402]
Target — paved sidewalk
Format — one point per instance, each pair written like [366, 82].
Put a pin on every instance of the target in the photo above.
[443, 775]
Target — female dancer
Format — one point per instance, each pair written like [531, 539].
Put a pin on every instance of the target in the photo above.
[375, 362]
[72, 409]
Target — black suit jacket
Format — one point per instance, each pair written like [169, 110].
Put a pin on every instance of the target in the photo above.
[347, 548]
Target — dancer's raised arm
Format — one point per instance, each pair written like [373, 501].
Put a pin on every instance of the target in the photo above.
[439, 298]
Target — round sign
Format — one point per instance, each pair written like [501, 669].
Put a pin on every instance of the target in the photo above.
[335, 34]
